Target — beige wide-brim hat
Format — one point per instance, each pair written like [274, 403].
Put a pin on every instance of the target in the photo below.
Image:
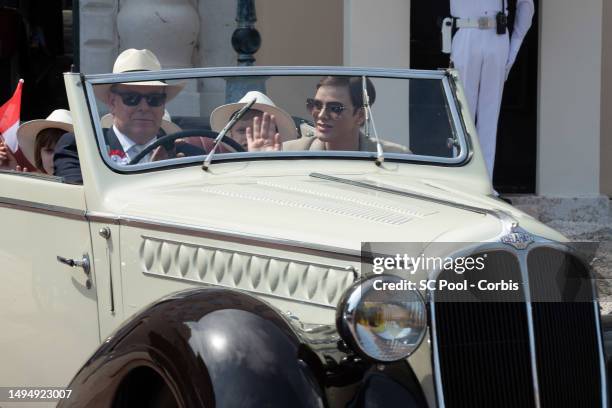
[27, 132]
[284, 122]
[167, 125]
[133, 60]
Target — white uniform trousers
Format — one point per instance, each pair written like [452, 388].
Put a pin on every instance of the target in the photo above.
[480, 56]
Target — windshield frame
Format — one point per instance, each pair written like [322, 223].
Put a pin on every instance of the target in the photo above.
[458, 125]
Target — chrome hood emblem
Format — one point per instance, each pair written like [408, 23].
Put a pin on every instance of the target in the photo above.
[518, 238]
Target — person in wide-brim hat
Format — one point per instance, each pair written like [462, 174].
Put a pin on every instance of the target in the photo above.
[284, 122]
[133, 60]
[38, 137]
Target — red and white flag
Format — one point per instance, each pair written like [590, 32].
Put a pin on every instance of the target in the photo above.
[9, 122]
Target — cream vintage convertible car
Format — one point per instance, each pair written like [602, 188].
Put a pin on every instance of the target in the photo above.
[290, 278]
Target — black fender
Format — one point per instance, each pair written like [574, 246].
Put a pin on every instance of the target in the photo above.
[205, 347]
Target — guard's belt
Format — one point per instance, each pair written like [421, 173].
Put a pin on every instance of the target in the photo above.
[483, 23]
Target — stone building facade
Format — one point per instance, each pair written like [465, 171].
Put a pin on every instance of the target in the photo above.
[574, 128]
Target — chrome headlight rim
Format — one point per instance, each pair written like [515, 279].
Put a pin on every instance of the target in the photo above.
[348, 305]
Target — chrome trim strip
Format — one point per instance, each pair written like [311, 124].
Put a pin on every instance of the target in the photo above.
[602, 353]
[263, 71]
[53, 210]
[450, 100]
[304, 155]
[436, 354]
[207, 232]
[97, 123]
[103, 218]
[522, 259]
[453, 78]
[401, 192]
[37, 176]
[406, 193]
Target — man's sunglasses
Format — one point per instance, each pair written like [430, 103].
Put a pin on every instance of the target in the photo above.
[315, 106]
[134, 98]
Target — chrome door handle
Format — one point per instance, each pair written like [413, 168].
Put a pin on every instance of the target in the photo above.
[75, 263]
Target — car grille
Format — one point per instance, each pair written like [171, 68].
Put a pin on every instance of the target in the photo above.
[483, 347]
[564, 328]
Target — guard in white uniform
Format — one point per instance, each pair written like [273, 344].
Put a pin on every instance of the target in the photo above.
[484, 58]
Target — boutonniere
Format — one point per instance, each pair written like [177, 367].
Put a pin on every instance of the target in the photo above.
[118, 156]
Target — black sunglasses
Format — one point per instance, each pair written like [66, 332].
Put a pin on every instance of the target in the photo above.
[134, 98]
[315, 106]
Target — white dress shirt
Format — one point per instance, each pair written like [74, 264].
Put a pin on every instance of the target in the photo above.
[130, 147]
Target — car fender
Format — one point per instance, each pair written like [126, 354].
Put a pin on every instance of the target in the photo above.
[208, 347]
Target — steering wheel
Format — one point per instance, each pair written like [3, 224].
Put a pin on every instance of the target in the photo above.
[168, 142]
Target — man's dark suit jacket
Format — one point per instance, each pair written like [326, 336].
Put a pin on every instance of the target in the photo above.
[66, 158]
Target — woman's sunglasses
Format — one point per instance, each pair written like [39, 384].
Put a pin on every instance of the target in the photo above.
[315, 107]
[133, 98]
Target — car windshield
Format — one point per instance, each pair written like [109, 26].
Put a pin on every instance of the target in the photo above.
[159, 119]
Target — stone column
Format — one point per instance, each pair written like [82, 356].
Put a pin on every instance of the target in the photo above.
[98, 42]
[390, 30]
[170, 29]
[215, 48]
[385, 42]
[569, 98]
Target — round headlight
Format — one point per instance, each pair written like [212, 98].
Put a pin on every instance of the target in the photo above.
[381, 319]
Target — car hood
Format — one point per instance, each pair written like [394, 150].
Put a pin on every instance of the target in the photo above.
[315, 210]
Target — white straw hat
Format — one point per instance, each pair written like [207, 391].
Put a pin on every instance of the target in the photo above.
[167, 125]
[133, 60]
[27, 132]
[284, 122]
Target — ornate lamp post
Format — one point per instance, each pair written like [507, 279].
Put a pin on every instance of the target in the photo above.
[245, 41]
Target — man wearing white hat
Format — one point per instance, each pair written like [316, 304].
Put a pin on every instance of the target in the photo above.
[483, 54]
[137, 110]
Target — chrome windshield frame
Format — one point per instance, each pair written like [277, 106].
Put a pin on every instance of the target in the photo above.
[457, 126]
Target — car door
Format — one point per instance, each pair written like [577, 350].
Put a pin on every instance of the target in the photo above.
[48, 309]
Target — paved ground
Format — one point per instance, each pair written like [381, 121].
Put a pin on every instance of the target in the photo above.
[600, 232]
[602, 261]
